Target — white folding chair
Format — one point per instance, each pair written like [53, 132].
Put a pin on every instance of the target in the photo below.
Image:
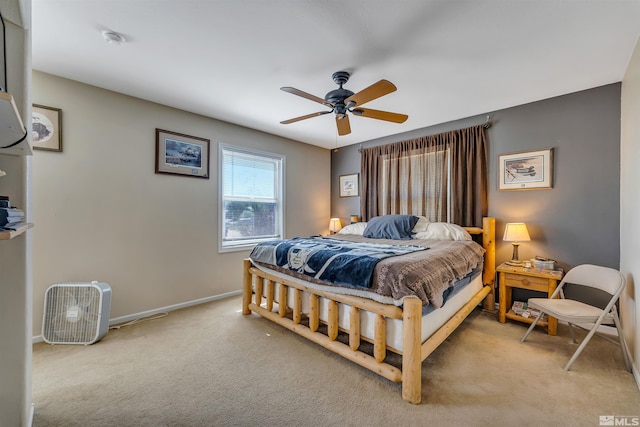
[576, 313]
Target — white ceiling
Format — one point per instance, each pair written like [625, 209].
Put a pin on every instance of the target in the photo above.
[227, 59]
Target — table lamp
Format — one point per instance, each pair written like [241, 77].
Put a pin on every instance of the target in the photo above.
[335, 225]
[516, 232]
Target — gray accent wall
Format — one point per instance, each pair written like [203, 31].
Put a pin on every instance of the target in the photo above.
[575, 222]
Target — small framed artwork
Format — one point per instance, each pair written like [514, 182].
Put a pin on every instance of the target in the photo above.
[527, 170]
[349, 185]
[46, 128]
[181, 154]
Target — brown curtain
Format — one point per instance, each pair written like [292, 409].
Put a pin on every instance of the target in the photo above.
[412, 177]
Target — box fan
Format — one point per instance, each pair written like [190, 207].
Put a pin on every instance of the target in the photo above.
[76, 313]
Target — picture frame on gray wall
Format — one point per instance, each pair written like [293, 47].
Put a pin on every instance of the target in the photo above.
[349, 185]
[526, 170]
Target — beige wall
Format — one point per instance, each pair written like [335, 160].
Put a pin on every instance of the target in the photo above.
[630, 207]
[101, 213]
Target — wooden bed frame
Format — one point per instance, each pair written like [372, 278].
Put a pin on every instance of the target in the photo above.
[414, 352]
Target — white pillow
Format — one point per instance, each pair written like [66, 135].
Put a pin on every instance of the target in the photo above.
[443, 231]
[355, 228]
[421, 225]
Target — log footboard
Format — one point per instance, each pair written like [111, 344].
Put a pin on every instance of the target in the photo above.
[259, 296]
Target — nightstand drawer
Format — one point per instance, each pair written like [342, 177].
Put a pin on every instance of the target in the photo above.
[526, 282]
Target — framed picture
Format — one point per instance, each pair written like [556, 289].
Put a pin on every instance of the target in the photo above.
[46, 128]
[527, 170]
[349, 185]
[181, 154]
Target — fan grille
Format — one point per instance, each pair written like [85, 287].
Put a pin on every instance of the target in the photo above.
[73, 314]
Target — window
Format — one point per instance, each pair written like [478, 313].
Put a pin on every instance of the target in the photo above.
[251, 197]
[417, 183]
[460, 177]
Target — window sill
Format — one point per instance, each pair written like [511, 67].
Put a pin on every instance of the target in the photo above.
[247, 247]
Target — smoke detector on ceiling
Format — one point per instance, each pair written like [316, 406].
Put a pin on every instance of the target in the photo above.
[112, 37]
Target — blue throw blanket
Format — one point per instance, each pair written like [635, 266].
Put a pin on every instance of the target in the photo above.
[336, 261]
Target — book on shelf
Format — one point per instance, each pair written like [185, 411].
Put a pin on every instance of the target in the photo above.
[11, 212]
[518, 307]
[521, 309]
[530, 313]
[13, 227]
[10, 220]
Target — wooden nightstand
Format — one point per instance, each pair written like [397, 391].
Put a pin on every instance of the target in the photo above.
[525, 278]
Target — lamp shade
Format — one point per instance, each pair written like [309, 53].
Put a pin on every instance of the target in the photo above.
[335, 225]
[516, 232]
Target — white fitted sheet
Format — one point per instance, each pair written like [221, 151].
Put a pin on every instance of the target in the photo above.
[431, 321]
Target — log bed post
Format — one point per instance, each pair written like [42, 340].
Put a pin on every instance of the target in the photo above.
[489, 274]
[411, 355]
[246, 288]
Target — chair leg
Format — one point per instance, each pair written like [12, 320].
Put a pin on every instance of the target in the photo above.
[533, 325]
[583, 344]
[623, 344]
[573, 334]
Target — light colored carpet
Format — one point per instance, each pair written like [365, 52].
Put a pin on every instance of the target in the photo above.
[211, 366]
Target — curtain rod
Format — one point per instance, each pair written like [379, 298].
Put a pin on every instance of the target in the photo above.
[486, 125]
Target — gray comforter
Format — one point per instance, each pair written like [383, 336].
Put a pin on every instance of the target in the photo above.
[425, 274]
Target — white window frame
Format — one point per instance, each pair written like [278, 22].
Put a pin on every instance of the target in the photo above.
[279, 188]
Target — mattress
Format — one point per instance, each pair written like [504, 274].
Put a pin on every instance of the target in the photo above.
[426, 274]
[432, 318]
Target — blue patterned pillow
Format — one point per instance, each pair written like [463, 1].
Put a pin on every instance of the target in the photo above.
[396, 227]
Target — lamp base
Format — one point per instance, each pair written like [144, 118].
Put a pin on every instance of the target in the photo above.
[515, 263]
[514, 256]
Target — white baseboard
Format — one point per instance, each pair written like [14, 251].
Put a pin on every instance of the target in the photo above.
[130, 317]
[634, 369]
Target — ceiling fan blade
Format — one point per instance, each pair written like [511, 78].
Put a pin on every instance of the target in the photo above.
[308, 116]
[344, 128]
[380, 115]
[306, 95]
[376, 90]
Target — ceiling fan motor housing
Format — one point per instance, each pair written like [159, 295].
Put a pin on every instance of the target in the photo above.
[337, 96]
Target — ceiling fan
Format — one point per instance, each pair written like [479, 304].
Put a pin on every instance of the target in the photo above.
[343, 100]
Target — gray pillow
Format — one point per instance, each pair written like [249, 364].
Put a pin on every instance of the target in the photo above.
[396, 227]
